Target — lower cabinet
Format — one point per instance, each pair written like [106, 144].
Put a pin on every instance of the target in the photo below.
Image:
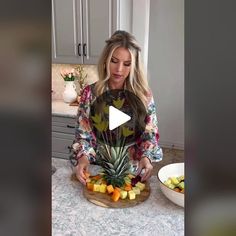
[63, 134]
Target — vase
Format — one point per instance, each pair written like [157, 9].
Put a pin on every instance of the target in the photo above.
[69, 94]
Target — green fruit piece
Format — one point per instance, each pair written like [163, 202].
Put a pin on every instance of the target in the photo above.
[171, 186]
[174, 180]
[140, 185]
[136, 190]
[168, 181]
[181, 185]
[180, 178]
[127, 180]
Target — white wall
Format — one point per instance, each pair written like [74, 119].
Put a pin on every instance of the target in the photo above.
[134, 18]
[166, 68]
[140, 26]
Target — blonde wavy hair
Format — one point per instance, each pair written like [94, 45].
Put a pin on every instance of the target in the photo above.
[136, 82]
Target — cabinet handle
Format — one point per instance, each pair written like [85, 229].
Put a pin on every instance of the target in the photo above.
[70, 126]
[79, 49]
[85, 49]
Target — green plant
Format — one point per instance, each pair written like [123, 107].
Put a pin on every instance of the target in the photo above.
[68, 75]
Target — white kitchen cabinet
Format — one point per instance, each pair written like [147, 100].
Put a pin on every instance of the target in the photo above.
[63, 134]
[80, 28]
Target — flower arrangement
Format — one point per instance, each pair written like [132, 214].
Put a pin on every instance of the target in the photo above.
[81, 76]
[68, 75]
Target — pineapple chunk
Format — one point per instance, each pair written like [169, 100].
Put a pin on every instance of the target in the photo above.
[123, 194]
[131, 176]
[103, 188]
[131, 195]
[96, 187]
[127, 180]
[140, 185]
[136, 190]
[181, 185]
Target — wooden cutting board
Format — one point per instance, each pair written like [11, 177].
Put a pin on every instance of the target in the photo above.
[104, 200]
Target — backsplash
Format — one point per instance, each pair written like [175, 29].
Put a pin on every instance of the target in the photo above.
[58, 82]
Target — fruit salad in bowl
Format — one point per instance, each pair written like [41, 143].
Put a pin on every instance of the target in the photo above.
[171, 180]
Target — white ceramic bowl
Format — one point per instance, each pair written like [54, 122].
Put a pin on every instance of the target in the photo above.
[175, 169]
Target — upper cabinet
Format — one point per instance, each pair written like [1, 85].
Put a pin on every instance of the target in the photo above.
[80, 28]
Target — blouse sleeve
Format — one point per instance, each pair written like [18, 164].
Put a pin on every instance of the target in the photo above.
[84, 137]
[148, 142]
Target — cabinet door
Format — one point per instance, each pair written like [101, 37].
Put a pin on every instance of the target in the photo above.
[66, 31]
[97, 27]
[61, 143]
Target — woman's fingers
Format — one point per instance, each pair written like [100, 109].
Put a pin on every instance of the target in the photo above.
[145, 165]
[81, 169]
[80, 173]
[139, 170]
[147, 174]
[79, 177]
[82, 177]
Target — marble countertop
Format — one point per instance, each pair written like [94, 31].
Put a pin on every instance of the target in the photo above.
[72, 214]
[60, 108]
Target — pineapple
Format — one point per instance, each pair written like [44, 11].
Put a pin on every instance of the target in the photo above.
[136, 190]
[140, 185]
[103, 188]
[115, 164]
[123, 194]
[131, 195]
[96, 187]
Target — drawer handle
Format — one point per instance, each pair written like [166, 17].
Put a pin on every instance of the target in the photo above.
[70, 126]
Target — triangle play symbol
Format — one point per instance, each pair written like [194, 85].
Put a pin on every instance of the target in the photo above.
[117, 118]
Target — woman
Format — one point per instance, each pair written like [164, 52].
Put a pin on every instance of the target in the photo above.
[119, 68]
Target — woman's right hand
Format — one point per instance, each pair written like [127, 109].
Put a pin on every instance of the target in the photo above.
[81, 168]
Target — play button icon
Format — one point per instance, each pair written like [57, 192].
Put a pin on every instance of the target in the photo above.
[117, 118]
[117, 115]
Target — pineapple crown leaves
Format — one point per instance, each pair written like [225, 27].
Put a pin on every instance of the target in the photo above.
[115, 164]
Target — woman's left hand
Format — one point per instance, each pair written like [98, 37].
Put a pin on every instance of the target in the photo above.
[145, 164]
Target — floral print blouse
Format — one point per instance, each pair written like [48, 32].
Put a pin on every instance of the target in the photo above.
[85, 139]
